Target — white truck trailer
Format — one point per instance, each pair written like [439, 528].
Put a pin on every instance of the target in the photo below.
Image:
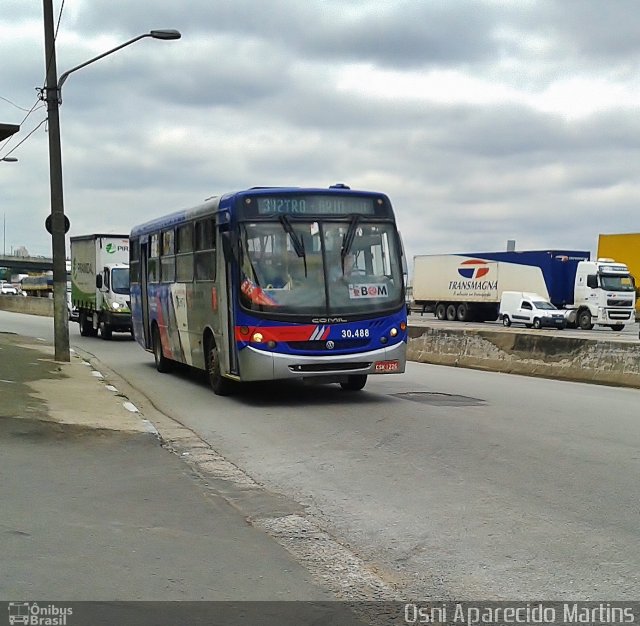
[100, 284]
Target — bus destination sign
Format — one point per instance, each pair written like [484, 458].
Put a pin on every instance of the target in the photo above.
[315, 205]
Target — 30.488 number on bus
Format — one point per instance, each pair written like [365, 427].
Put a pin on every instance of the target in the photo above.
[356, 333]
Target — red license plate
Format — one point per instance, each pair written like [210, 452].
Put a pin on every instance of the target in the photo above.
[387, 366]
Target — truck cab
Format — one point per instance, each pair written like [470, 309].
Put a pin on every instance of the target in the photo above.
[604, 294]
[113, 299]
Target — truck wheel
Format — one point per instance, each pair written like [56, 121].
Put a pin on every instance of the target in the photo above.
[163, 364]
[584, 320]
[86, 326]
[84, 330]
[441, 311]
[221, 386]
[537, 324]
[451, 313]
[462, 312]
[355, 382]
[506, 321]
[105, 331]
[617, 327]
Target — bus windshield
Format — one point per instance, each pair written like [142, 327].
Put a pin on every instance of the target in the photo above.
[120, 280]
[320, 267]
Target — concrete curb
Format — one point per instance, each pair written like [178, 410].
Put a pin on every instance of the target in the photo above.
[514, 352]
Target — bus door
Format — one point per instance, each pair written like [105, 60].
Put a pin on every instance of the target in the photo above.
[225, 258]
[144, 296]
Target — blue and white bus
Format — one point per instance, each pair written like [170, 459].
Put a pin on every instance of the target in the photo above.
[273, 283]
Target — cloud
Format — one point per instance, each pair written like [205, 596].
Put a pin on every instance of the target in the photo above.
[483, 121]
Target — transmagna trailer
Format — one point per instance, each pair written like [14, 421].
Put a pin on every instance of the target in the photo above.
[468, 286]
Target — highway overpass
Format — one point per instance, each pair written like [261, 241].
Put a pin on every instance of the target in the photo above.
[26, 264]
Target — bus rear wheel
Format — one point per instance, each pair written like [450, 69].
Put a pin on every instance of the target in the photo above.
[355, 382]
[163, 364]
[221, 386]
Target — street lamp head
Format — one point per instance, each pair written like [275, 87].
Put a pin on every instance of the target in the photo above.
[165, 34]
[9, 159]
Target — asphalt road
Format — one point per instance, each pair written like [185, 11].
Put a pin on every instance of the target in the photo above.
[453, 483]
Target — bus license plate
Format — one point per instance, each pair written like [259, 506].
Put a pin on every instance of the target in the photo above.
[387, 366]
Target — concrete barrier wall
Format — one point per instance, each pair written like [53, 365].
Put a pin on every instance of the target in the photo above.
[522, 352]
[30, 305]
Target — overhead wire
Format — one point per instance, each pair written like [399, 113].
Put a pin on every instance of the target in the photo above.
[34, 107]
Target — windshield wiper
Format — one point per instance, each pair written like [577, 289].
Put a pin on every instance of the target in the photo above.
[298, 244]
[347, 240]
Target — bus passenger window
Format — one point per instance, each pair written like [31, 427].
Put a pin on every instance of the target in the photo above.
[152, 270]
[184, 253]
[205, 265]
[205, 255]
[168, 261]
[153, 264]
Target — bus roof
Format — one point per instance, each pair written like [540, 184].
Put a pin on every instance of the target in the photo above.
[227, 201]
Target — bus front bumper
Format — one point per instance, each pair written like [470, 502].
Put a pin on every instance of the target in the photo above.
[264, 365]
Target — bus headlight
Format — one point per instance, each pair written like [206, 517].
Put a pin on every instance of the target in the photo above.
[393, 332]
[257, 337]
[115, 305]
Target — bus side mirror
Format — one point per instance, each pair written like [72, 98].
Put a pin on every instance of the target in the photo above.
[229, 245]
[99, 281]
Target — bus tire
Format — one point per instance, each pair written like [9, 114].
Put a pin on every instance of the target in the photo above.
[221, 386]
[356, 382]
[163, 364]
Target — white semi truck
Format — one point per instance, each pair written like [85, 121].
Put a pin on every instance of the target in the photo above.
[469, 286]
[100, 284]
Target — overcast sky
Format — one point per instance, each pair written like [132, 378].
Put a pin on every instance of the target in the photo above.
[482, 120]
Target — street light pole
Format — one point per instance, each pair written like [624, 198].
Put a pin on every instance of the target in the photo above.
[60, 315]
[58, 226]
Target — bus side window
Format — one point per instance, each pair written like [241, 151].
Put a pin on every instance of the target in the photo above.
[205, 254]
[134, 261]
[184, 253]
[153, 263]
[168, 262]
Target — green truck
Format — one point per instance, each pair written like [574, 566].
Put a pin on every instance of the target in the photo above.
[100, 284]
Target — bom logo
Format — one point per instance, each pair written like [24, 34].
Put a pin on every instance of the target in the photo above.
[473, 269]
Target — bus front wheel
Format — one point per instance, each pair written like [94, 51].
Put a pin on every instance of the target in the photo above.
[221, 386]
[354, 383]
[162, 362]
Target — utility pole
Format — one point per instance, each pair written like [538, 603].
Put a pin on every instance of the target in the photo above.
[52, 97]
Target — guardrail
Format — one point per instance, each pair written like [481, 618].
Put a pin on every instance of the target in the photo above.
[29, 305]
[532, 354]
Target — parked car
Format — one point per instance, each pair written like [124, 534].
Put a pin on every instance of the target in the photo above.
[8, 289]
[529, 309]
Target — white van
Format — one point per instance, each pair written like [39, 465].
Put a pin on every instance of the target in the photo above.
[530, 309]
